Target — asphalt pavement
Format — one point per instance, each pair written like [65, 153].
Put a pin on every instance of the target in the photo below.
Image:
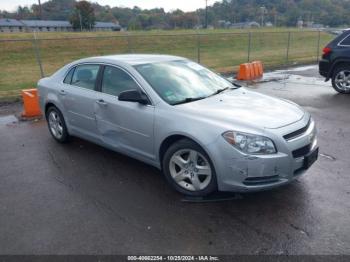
[80, 198]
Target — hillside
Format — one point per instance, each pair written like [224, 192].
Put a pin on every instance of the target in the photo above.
[281, 12]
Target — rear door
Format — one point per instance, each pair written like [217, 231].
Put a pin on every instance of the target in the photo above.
[79, 99]
[126, 126]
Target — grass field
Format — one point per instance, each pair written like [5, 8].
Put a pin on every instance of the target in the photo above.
[221, 50]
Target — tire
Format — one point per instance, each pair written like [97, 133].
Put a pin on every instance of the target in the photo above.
[188, 169]
[341, 79]
[57, 125]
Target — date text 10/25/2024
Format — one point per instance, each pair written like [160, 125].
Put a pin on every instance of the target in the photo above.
[173, 258]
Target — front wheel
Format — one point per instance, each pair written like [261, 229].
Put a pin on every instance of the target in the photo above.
[57, 125]
[341, 79]
[188, 169]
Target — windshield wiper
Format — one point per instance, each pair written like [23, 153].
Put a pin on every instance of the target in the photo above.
[226, 88]
[236, 85]
[220, 91]
[187, 100]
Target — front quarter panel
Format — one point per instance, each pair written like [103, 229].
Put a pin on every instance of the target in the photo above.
[169, 121]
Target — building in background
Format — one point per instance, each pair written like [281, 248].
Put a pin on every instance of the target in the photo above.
[10, 25]
[106, 26]
[13, 25]
[244, 25]
[300, 23]
[46, 26]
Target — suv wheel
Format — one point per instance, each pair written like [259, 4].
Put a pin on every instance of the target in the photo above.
[57, 125]
[341, 79]
[188, 169]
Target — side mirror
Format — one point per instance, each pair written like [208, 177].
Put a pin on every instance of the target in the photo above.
[133, 96]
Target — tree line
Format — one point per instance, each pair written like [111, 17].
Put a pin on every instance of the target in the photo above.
[278, 12]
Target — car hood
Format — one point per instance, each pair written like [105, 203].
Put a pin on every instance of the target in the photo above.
[241, 105]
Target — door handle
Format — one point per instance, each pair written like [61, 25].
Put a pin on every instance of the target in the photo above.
[101, 102]
[62, 92]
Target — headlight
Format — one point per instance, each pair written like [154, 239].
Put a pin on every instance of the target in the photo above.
[250, 144]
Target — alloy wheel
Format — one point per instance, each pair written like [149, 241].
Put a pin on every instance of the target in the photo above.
[55, 124]
[190, 169]
[342, 80]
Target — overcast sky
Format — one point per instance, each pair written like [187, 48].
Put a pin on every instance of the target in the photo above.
[185, 5]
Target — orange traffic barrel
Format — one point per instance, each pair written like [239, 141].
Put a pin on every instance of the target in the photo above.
[261, 69]
[30, 103]
[258, 68]
[244, 72]
[253, 72]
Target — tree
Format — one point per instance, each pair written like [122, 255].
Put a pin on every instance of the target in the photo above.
[22, 12]
[83, 16]
[285, 12]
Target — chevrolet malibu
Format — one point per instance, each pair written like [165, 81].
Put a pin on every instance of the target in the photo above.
[204, 132]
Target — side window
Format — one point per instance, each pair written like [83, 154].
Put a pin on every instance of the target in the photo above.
[346, 41]
[116, 81]
[85, 76]
[69, 76]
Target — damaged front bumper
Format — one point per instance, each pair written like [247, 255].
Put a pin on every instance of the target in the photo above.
[237, 172]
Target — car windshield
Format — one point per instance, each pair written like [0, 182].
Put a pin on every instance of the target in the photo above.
[182, 81]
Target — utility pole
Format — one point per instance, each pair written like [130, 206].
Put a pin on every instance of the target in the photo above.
[206, 14]
[275, 18]
[81, 24]
[233, 13]
[263, 10]
[40, 11]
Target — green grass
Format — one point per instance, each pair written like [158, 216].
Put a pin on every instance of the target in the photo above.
[221, 50]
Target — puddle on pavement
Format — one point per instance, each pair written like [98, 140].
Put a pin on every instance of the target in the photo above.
[289, 76]
[10, 119]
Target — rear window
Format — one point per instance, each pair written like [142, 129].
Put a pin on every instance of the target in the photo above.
[345, 41]
[339, 38]
[69, 76]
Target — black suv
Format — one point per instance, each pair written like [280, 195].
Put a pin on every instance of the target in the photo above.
[335, 62]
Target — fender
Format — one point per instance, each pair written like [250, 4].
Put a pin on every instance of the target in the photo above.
[334, 65]
[52, 99]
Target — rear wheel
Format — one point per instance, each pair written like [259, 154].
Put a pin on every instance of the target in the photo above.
[57, 125]
[341, 79]
[188, 169]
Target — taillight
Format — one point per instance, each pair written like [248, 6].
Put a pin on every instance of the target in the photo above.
[326, 50]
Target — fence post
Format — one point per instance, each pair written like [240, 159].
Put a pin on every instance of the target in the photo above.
[249, 45]
[129, 43]
[198, 48]
[37, 54]
[288, 46]
[318, 45]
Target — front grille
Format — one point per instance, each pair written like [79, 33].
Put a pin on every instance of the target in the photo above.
[260, 180]
[301, 152]
[297, 132]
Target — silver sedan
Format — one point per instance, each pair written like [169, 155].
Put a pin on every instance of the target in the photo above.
[204, 132]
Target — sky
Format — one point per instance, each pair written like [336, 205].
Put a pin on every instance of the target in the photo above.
[185, 5]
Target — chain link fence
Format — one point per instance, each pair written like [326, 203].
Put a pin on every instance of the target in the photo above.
[24, 61]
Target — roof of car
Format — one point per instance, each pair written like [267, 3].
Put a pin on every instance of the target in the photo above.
[136, 59]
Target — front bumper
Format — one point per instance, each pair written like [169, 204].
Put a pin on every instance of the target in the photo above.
[247, 173]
